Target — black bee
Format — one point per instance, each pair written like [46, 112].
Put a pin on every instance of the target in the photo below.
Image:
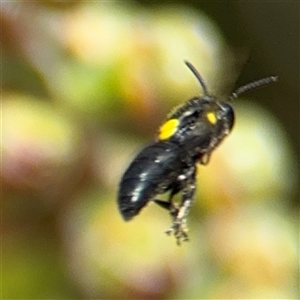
[189, 135]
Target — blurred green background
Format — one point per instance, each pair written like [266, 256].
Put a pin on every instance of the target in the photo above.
[85, 85]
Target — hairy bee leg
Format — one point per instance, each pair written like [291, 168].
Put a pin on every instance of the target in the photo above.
[179, 227]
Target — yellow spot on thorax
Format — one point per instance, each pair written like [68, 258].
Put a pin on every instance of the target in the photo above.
[212, 118]
[168, 129]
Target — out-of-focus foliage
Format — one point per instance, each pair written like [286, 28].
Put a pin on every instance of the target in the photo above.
[84, 87]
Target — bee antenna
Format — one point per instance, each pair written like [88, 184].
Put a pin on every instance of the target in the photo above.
[252, 86]
[198, 76]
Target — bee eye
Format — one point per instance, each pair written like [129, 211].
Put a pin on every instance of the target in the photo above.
[228, 115]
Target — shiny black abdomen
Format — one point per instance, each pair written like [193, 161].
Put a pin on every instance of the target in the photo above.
[154, 171]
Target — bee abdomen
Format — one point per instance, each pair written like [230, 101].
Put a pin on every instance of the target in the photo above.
[143, 179]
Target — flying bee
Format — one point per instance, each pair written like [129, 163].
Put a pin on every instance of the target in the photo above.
[189, 136]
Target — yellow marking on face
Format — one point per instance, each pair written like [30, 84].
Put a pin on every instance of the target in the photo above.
[212, 118]
[168, 129]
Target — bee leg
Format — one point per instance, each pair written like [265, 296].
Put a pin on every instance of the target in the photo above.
[169, 205]
[163, 204]
[179, 228]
